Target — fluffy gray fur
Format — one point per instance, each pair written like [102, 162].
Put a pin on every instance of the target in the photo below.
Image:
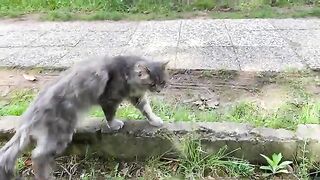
[51, 119]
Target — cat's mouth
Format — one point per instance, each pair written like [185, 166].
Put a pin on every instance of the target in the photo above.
[156, 90]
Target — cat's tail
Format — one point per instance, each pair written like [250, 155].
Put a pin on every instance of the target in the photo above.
[10, 151]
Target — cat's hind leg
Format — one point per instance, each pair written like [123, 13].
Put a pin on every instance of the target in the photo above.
[43, 155]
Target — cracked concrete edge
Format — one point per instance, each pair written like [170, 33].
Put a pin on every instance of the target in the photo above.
[139, 140]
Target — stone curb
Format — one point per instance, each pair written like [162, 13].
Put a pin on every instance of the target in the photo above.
[138, 140]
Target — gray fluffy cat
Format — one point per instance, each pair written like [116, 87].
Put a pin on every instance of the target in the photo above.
[51, 119]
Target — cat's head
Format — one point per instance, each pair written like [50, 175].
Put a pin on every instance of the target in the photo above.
[148, 75]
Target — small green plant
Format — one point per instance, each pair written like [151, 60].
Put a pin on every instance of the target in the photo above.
[273, 164]
[306, 166]
[195, 163]
[20, 165]
[19, 101]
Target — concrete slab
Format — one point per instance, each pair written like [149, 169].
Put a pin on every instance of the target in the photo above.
[111, 26]
[309, 56]
[161, 53]
[155, 40]
[256, 38]
[207, 57]
[155, 34]
[59, 38]
[28, 25]
[79, 53]
[295, 24]
[308, 132]
[203, 24]
[248, 24]
[147, 39]
[268, 58]
[208, 43]
[106, 39]
[37, 56]
[298, 38]
[203, 33]
[137, 139]
[6, 52]
[160, 26]
[19, 39]
[103, 26]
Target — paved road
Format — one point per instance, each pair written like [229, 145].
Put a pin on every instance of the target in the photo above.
[249, 45]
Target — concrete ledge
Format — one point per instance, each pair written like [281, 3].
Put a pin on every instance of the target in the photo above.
[138, 140]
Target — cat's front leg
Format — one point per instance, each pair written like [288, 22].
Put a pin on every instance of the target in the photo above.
[143, 105]
[109, 110]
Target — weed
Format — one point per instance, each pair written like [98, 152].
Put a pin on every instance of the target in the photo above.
[59, 15]
[204, 4]
[310, 113]
[246, 112]
[195, 163]
[103, 15]
[20, 165]
[306, 166]
[19, 102]
[274, 165]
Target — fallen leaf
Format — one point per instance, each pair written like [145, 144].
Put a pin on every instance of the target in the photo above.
[28, 162]
[29, 77]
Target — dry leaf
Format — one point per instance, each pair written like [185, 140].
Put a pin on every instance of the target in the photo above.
[29, 77]
[28, 162]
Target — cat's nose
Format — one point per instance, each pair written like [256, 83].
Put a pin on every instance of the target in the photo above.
[158, 90]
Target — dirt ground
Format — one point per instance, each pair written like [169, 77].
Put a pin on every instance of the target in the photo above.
[217, 88]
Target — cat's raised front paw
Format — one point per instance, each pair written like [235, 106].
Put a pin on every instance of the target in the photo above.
[156, 121]
[115, 124]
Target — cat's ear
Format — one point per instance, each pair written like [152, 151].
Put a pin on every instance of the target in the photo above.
[164, 64]
[142, 70]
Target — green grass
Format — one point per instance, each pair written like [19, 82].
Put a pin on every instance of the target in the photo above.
[288, 116]
[19, 102]
[193, 162]
[196, 163]
[157, 9]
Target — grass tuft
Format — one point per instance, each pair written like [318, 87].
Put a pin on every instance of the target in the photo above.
[156, 9]
[195, 162]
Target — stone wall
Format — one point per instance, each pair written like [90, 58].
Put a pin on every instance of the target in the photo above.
[138, 140]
